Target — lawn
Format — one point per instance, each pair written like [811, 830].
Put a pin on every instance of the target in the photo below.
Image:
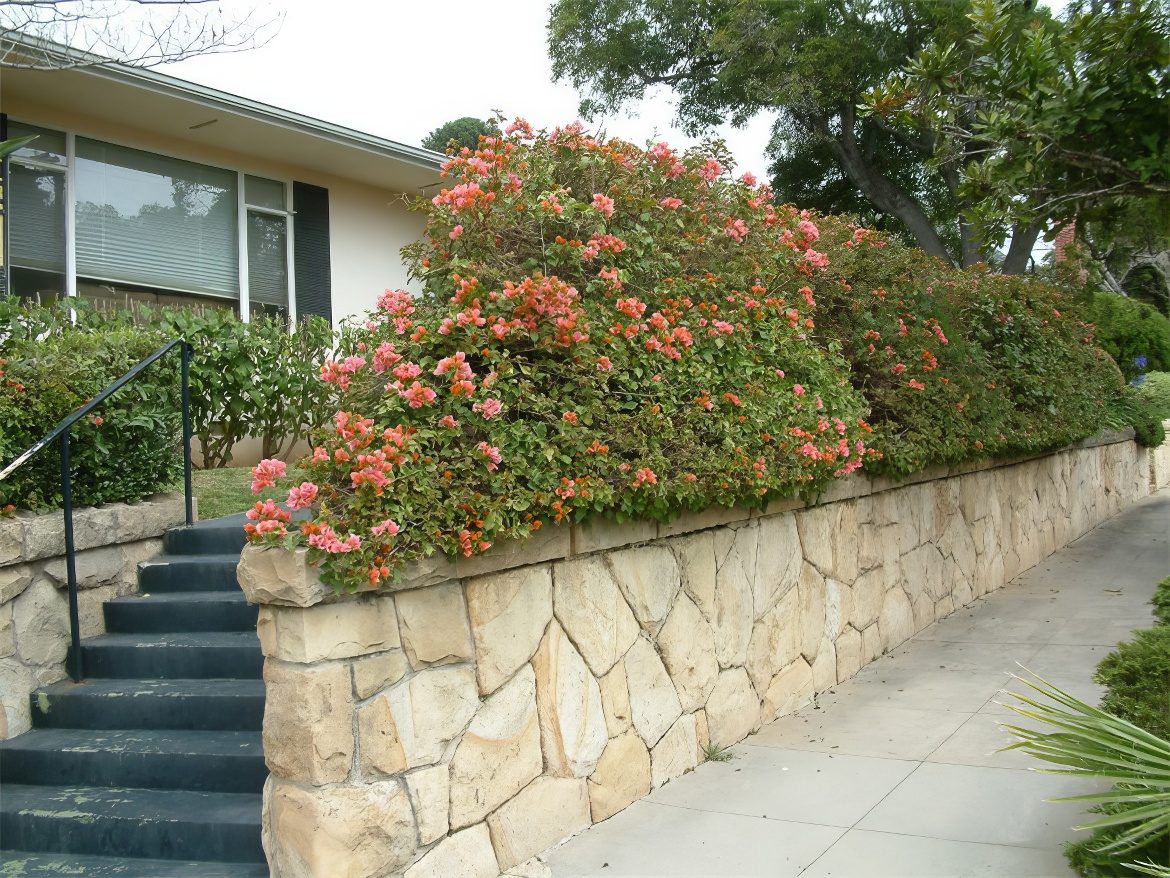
[229, 490]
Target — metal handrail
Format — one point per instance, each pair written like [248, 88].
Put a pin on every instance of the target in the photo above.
[61, 433]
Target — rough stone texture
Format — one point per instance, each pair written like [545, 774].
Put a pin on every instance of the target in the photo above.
[572, 721]
[547, 811]
[339, 831]
[813, 611]
[649, 579]
[328, 631]
[14, 580]
[677, 752]
[373, 673]
[697, 568]
[775, 640]
[547, 544]
[621, 778]
[789, 690]
[466, 854]
[654, 705]
[687, 645]
[824, 668]
[734, 604]
[40, 619]
[378, 741]
[897, 619]
[778, 561]
[509, 612]
[499, 753]
[615, 700]
[7, 640]
[430, 793]
[590, 607]
[434, 625]
[281, 578]
[308, 726]
[871, 643]
[848, 648]
[733, 710]
[430, 709]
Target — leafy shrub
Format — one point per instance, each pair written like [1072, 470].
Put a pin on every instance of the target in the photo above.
[1128, 330]
[1137, 679]
[1161, 602]
[1132, 409]
[129, 448]
[1155, 392]
[609, 330]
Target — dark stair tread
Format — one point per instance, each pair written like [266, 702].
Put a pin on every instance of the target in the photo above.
[23, 864]
[130, 803]
[208, 742]
[184, 597]
[120, 703]
[156, 688]
[176, 639]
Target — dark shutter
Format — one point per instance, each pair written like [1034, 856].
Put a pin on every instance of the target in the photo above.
[311, 251]
[3, 211]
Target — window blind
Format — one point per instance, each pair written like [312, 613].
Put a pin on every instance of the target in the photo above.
[157, 221]
[36, 208]
[267, 259]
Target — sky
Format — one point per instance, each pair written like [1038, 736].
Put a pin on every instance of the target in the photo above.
[401, 69]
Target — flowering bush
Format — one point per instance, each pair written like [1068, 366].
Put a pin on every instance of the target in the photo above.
[602, 329]
[610, 330]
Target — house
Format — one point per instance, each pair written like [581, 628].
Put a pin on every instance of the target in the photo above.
[143, 187]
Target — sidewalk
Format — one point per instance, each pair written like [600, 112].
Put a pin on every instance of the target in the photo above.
[894, 773]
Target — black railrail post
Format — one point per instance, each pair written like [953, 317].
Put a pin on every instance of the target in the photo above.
[188, 492]
[75, 670]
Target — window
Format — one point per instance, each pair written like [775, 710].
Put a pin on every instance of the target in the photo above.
[267, 245]
[36, 184]
[156, 221]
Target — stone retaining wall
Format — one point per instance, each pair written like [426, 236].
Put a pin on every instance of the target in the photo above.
[34, 602]
[462, 726]
[1160, 462]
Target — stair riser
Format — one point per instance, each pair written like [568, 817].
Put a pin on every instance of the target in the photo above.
[238, 713]
[173, 663]
[204, 540]
[202, 772]
[159, 577]
[175, 840]
[143, 617]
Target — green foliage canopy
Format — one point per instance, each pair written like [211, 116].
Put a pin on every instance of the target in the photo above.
[465, 131]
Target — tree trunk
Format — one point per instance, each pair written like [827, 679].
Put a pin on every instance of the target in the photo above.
[1023, 240]
[886, 195]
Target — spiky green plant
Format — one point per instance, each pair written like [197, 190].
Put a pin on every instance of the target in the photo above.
[1094, 744]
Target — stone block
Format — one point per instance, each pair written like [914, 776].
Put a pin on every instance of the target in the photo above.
[733, 710]
[90, 612]
[364, 831]
[466, 854]
[373, 673]
[828, 538]
[498, 754]
[838, 607]
[813, 608]
[734, 603]
[308, 721]
[649, 579]
[615, 700]
[546, 812]
[590, 607]
[788, 691]
[923, 570]
[426, 571]
[44, 534]
[572, 721]
[687, 646]
[621, 778]
[280, 576]
[430, 709]
[778, 561]
[897, 619]
[676, 753]
[379, 747]
[775, 641]
[355, 626]
[40, 619]
[94, 567]
[509, 613]
[13, 580]
[824, 669]
[11, 541]
[697, 568]
[434, 625]
[7, 640]
[713, 516]
[654, 704]
[848, 650]
[871, 643]
[601, 534]
[430, 793]
[551, 543]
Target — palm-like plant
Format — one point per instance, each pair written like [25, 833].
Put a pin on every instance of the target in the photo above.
[1094, 744]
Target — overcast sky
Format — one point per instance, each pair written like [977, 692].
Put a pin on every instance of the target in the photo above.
[401, 69]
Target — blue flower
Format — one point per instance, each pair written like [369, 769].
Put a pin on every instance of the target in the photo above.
[1140, 362]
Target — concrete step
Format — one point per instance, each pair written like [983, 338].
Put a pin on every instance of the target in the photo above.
[176, 655]
[232, 705]
[218, 536]
[171, 573]
[127, 822]
[208, 761]
[190, 611]
[22, 864]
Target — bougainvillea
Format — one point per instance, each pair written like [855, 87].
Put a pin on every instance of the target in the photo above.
[629, 332]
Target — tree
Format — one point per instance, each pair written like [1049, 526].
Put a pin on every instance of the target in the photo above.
[465, 132]
[1131, 246]
[55, 34]
[810, 61]
[1048, 122]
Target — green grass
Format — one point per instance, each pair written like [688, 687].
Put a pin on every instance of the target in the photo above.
[714, 753]
[229, 490]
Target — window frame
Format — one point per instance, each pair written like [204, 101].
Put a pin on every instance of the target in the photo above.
[69, 170]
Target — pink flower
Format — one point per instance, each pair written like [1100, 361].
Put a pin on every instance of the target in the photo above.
[749, 179]
[489, 408]
[917, 385]
[603, 203]
[320, 455]
[645, 476]
[387, 527]
[455, 232]
[571, 417]
[710, 170]
[798, 390]
[899, 369]
[671, 203]
[815, 259]
[407, 371]
[385, 357]
[458, 363]
[302, 497]
[265, 474]
[491, 453]
[736, 229]
[417, 395]
[780, 372]
[397, 302]
[810, 231]
[691, 477]
[604, 364]
[448, 421]
[328, 541]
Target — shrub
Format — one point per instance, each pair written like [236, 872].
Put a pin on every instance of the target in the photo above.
[1128, 330]
[1137, 680]
[129, 448]
[1161, 602]
[609, 330]
[1155, 392]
